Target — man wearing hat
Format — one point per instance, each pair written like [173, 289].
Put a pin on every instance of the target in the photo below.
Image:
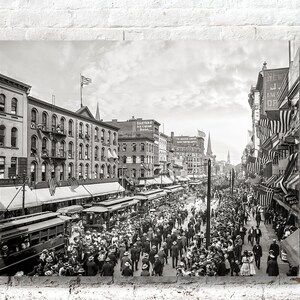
[107, 269]
[157, 266]
[152, 255]
[174, 254]
[145, 261]
[135, 257]
[125, 259]
[147, 247]
[257, 251]
[127, 271]
[145, 270]
[275, 248]
[257, 234]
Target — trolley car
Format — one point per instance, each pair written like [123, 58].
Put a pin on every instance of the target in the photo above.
[22, 239]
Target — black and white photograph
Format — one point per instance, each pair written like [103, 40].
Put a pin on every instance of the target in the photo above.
[149, 158]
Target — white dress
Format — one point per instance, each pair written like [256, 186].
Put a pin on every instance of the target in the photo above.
[252, 268]
[245, 269]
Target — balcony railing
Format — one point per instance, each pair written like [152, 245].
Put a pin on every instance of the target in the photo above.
[57, 131]
[54, 154]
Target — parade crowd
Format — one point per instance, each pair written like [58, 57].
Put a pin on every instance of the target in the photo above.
[160, 238]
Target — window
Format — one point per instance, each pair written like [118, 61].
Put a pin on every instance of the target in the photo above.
[2, 102]
[115, 139]
[124, 147]
[96, 174]
[102, 135]
[2, 167]
[33, 172]
[13, 166]
[14, 133]
[70, 170]
[62, 123]
[80, 151]
[142, 172]
[33, 143]
[114, 171]
[70, 150]
[124, 159]
[44, 172]
[108, 171]
[133, 173]
[86, 156]
[53, 149]
[134, 147]
[134, 159]
[87, 169]
[96, 153]
[81, 130]
[102, 153]
[108, 138]
[80, 171]
[87, 129]
[62, 149]
[14, 106]
[33, 118]
[62, 172]
[2, 135]
[102, 171]
[54, 122]
[142, 147]
[70, 128]
[97, 134]
[44, 144]
[142, 158]
[44, 119]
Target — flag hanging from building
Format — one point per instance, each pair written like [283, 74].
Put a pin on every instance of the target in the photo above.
[73, 183]
[285, 120]
[275, 126]
[52, 186]
[85, 80]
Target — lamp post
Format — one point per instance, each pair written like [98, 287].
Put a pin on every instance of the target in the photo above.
[24, 181]
[208, 204]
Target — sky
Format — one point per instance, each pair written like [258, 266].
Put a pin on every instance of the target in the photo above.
[184, 85]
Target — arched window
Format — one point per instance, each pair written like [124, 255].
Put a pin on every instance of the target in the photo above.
[142, 172]
[33, 118]
[142, 158]
[2, 102]
[62, 149]
[108, 171]
[45, 120]
[33, 172]
[87, 129]
[54, 122]
[53, 148]
[44, 172]
[87, 171]
[44, 144]
[80, 151]
[102, 153]
[70, 170]
[81, 130]
[108, 137]
[102, 135]
[115, 139]
[62, 123]
[96, 173]
[124, 147]
[2, 135]
[62, 172]
[2, 167]
[134, 147]
[124, 159]
[14, 106]
[86, 155]
[102, 170]
[14, 134]
[80, 172]
[96, 134]
[142, 147]
[134, 159]
[96, 153]
[70, 129]
[33, 142]
[70, 150]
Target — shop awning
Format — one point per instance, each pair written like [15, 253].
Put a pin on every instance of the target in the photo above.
[11, 198]
[148, 182]
[277, 181]
[271, 180]
[163, 180]
[70, 209]
[61, 194]
[291, 246]
[106, 188]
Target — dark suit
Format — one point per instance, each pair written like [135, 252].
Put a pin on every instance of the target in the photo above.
[257, 251]
[174, 253]
[257, 234]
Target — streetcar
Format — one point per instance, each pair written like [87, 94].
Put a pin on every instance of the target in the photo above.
[151, 200]
[22, 239]
[106, 213]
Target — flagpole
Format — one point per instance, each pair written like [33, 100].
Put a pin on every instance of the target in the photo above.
[80, 91]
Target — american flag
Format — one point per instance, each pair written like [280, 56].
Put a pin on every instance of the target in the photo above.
[73, 183]
[85, 80]
[285, 120]
[275, 126]
[52, 186]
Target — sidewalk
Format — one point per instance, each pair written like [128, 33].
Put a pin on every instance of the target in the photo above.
[268, 235]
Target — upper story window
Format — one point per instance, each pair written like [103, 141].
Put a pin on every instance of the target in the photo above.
[54, 122]
[134, 147]
[62, 123]
[14, 106]
[142, 147]
[33, 142]
[96, 134]
[2, 135]
[70, 129]
[2, 102]
[124, 147]
[80, 130]
[14, 133]
[33, 118]
[44, 119]
[102, 135]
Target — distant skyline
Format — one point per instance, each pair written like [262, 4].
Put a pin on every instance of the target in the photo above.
[184, 85]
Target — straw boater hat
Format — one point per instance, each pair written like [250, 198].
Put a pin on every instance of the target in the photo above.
[91, 258]
[127, 264]
[126, 253]
[144, 267]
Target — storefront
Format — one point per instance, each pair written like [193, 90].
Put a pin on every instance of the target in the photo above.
[12, 201]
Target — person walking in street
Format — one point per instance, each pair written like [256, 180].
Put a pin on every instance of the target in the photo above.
[157, 266]
[125, 259]
[257, 234]
[251, 234]
[272, 268]
[174, 253]
[251, 263]
[275, 248]
[145, 271]
[258, 218]
[135, 257]
[127, 271]
[245, 269]
[107, 269]
[257, 251]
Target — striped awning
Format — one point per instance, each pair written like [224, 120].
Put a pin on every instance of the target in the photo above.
[271, 180]
[277, 182]
[293, 182]
[266, 198]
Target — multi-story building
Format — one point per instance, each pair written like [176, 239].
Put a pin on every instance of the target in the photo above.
[13, 127]
[163, 141]
[191, 150]
[64, 144]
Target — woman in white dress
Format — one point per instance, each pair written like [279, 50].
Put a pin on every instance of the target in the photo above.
[251, 262]
[245, 269]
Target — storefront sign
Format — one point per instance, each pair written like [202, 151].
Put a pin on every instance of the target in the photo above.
[144, 125]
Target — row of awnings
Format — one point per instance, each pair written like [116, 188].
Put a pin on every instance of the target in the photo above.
[155, 181]
[11, 197]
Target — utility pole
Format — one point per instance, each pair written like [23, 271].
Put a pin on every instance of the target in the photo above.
[23, 194]
[208, 204]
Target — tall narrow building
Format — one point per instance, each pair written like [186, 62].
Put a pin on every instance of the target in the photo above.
[228, 158]
[209, 151]
[97, 113]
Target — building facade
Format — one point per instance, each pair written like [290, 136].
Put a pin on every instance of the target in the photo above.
[63, 144]
[13, 127]
[163, 152]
